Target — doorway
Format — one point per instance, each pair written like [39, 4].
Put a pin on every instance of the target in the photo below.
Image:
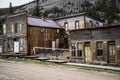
[87, 52]
[16, 45]
[111, 52]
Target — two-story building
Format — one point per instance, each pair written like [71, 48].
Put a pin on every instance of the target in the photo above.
[79, 21]
[96, 45]
[21, 33]
[90, 41]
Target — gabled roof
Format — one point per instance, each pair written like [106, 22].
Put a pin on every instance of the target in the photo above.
[80, 14]
[32, 21]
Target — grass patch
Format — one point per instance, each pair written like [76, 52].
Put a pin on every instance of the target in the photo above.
[63, 65]
[28, 61]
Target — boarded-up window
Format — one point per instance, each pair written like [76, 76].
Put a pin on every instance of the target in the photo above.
[99, 48]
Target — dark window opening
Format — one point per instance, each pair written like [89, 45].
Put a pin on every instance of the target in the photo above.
[99, 49]
[73, 49]
[79, 52]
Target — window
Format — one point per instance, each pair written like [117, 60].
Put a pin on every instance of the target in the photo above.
[22, 44]
[15, 28]
[90, 24]
[58, 30]
[10, 44]
[73, 49]
[99, 49]
[79, 52]
[97, 24]
[66, 26]
[11, 28]
[76, 24]
[111, 46]
[20, 27]
[42, 30]
[4, 28]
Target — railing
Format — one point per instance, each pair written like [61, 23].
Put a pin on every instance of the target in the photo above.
[51, 52]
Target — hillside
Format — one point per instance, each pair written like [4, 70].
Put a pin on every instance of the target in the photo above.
[108, 10]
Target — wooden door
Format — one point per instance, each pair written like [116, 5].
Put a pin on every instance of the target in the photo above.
[87, 52]
[16, 47]
[111, 52]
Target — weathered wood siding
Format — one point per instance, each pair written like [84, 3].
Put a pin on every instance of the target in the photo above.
[94, 35]
[84, 22]
[43, 37]
[15, 19]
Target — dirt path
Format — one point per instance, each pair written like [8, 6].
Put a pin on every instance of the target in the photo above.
[10, 70]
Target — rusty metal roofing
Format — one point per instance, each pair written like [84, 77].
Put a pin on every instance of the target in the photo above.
[32, 21]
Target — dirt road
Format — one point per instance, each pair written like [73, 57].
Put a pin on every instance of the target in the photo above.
[11, 70]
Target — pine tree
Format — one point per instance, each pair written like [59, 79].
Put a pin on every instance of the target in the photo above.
[36, 11]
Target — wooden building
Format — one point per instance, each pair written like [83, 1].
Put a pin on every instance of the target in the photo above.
[79, 21]
[90, 41]
[21, 33]
[96, 45]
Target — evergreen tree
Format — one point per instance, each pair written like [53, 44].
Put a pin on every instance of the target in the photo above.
[36, 11]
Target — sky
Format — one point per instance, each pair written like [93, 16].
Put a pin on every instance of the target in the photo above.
[5, 3]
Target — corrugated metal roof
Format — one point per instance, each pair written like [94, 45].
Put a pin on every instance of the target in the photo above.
[42, 23]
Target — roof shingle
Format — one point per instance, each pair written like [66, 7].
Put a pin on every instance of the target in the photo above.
[41, 23]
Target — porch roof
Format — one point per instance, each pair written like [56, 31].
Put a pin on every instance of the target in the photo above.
[32, 21]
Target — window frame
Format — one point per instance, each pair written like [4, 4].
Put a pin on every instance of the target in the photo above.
[4, 28]
[22, 43]
[79, 49]
[66, 26]
[113, 46]
[12, 30]
[77, 25]
[99, 48]
[90, 23]
[73, 50]
[10, 44]
[97, 24]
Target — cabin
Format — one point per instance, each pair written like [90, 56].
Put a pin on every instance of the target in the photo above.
[96, 45]
[21, 33]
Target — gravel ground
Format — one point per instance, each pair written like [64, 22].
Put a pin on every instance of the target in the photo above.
[11, 70]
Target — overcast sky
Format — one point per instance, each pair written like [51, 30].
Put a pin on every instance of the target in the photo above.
[5, 3]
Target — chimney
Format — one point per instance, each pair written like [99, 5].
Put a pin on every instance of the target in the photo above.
[43, 16]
